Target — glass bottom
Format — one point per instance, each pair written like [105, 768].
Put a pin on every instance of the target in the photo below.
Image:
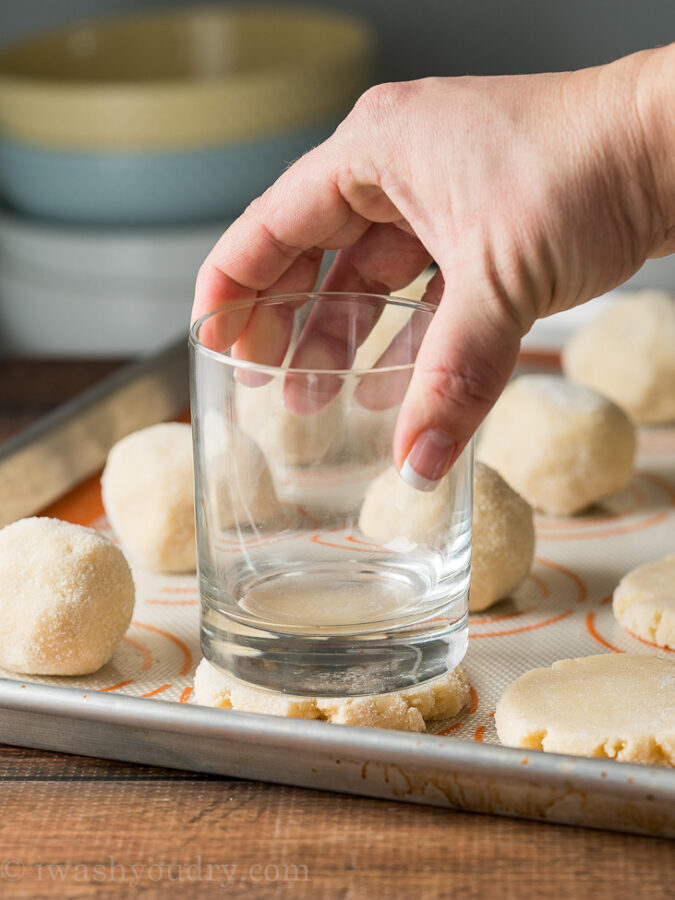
[366, 634]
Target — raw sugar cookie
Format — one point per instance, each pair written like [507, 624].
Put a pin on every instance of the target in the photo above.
[393, 510]
[241, 492]
[406, 710]
[502, 543]
[627, 353]
[286, 439]
[560, 445]
[148, 495]
[644, 602]
[66, 597]
[617, 706]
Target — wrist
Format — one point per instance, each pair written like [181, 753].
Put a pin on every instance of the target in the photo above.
[632, 105]
[655, 110]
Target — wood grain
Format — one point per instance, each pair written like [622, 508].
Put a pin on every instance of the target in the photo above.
[73, 827]
[86, 828]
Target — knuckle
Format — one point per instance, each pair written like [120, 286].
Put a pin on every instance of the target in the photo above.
[256, 211]
[465, 388]
[381, 101]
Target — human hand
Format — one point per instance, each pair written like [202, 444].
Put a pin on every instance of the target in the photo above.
[532, 193]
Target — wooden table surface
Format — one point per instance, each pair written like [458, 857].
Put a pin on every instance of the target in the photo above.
[79, 827]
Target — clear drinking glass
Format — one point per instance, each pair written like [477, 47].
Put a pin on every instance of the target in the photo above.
[321, 572]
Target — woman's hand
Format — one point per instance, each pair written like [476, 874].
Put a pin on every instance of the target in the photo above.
[532, 193]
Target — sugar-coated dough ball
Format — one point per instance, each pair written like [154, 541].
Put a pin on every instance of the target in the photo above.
[502, 543]
[628, 354]
[287, 439]
[644, 602]
[405, 710]
[617, 705]
[66, 598]
[392, 510]
[560, 445]
[234, 466]
[148, 496]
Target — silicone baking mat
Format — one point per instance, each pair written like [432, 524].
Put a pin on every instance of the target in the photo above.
[563, 609]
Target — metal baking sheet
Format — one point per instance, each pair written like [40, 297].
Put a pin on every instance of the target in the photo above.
[122, 712]
[426, 769]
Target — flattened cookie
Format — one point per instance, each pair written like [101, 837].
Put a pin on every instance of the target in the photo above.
[644, 602]
[406, 710]
[618, 706]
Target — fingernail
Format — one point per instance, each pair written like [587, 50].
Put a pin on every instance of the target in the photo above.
[428, 460]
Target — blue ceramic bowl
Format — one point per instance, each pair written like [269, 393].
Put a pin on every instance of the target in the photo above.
[148, 188]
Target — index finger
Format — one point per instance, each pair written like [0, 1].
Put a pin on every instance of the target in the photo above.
[303, 209]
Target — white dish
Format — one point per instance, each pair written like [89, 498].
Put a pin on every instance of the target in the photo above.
[43, 314]
[147, 253]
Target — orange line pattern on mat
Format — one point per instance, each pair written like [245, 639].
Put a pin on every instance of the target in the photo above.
[478, 734]
[178, 590]
[541, 584]
[590, 627]
[184, 649]
[650, 643]
[157, 690]
[660, 482]
[185, 694]
[313, 521]
[577, 528]
[227, 546]
[114, 687]
[354, 540]
[487, 620]
[608, 532]
[316, 539]
[145, 653]
[581, 592]
[156, 602]
[581, 587]
[449, 729]
[523, 628]
[579, 522]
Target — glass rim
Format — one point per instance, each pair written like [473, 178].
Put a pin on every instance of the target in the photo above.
[272, 299]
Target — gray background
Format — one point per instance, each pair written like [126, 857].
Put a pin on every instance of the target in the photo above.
[415, 38]
[442, 37]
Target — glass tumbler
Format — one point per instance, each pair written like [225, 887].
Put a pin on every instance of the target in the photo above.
[321, 572]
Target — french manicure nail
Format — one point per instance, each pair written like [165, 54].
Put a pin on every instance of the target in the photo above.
[428, 460]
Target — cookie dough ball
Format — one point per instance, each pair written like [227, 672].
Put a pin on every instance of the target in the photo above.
[66, 598]
[560, 445]
[628, 354]
[393, 510]
[148, 496]
[287, 439]
[644, 602]
[243, 491]
[406, 710]
[502, 544]
[617, 706]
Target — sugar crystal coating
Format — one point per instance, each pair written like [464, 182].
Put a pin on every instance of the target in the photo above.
[66, 597]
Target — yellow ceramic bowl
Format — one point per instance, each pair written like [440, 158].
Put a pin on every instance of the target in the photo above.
[181, 79]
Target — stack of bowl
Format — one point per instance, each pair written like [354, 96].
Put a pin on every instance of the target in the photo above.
[69, 291]
[172, 117]
[158, 123]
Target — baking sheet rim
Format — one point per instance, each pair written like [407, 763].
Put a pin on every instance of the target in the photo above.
[421, 751]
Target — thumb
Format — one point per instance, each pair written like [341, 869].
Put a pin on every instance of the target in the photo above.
[468, 352]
